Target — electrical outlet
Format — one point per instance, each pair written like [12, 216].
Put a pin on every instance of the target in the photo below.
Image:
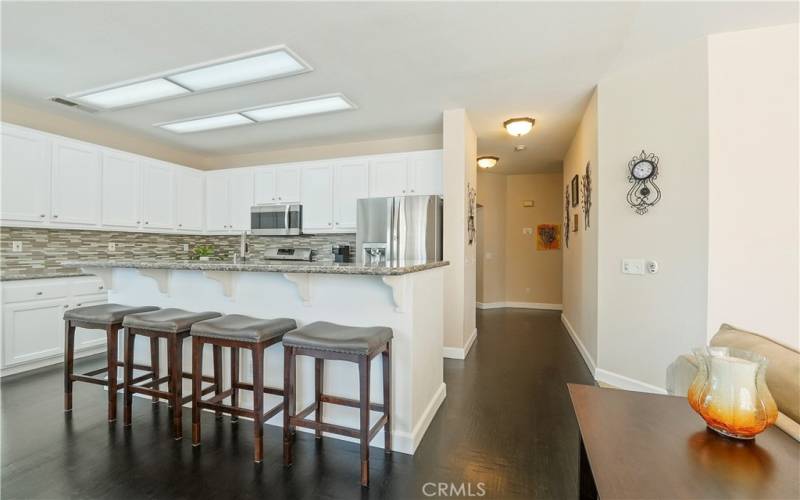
[16, 246]
[652, 266]
[527, 231]
[632, 266]
[185, 247]
[112, 247]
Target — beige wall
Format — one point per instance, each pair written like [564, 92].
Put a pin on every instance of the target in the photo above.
[646, 321]
[580, 259]
[753, 161]
[511, 269]
[459, 143]
[491, 248]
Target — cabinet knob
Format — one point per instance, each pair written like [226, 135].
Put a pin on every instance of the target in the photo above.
[147, 222]
[66, 306]
[42, 216]
[100, 287]
[404, 190]
[180, 225]
[329, 223]
[55, 216]
[279, 197]
[78, 305]
[38, 293]
[412, 190]
[138, 222]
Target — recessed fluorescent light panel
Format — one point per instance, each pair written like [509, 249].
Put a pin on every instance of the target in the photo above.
[312, 106]
[212, 122]
[253, 67]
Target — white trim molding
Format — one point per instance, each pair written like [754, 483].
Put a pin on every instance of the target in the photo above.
[460, 352]
[587, 358]
[622, 382]
[520, 305]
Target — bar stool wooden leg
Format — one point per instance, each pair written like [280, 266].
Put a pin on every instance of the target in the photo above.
[197, 387]
[69, 356]
[155, 363]
[288, 407]
[363, 375]
[175, 355]
[258, 402]
[129, 343]
[218, 376]
[111, 359]
[386, 360]
[234, 380]
[319, 374]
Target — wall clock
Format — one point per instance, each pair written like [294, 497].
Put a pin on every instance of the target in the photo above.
[642, 173]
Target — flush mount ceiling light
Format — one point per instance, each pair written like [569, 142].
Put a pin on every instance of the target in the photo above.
[519, 126]
[242, 69]
[278, 111]
[487, 161]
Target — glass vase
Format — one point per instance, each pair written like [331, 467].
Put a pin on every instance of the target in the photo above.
[730, 392]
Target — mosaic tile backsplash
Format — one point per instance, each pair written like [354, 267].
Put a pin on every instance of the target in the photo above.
[44, 249]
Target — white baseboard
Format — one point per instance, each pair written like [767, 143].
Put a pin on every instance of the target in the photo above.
[52, 360]
[520, 305]
[587, 358]
[460, 352]
[626, 383]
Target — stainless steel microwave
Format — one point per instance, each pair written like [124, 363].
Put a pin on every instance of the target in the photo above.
[280, 219]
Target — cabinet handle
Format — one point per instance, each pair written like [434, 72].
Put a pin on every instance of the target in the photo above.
[100, 287]
[38, 293]
[138, 222]
[412, 190]
[180, 225]
[55, 216]
[329, 223]
[404, 190]
[147, 222]
[78, 305]
[66, 306]
[279, 197]
[42, 216]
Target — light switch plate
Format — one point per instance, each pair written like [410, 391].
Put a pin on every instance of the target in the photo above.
[185, 247]
[527, 230]
[632, 266]
[16, 246]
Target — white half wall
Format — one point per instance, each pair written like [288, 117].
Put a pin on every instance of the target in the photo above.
[754, 171]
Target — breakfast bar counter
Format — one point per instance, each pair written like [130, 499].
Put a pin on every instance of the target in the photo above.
[407, 297]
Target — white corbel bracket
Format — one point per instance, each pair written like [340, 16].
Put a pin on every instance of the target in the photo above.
[105, 274]
[398, 286]
[303, 283]
[161, 277]
[224, 278]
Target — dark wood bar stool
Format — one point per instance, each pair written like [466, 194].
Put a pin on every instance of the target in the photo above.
[174, 326]
[323, 341]
[106, 317]
[237, 332]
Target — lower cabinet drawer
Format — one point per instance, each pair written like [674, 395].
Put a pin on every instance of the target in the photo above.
[31, 290]
[88, 286]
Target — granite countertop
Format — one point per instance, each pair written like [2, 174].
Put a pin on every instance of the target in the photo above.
[75, 273]
[263, 266]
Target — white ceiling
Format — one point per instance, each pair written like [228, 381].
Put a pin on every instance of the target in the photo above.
[402, 63]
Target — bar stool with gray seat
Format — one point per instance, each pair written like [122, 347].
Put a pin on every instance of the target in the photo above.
[237, 331]
[174, 325]
[107, 317]
[322, 340]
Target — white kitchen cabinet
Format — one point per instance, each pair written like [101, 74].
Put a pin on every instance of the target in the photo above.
[189, 200]
[76, 183]
[280, 184]
[158, 196]
[217, 209]
[317, 198]
[350, 183]
[229, 196]
[240, 186]
[388, 176]
[120, 193]
[25, 175]
[425, 173]
[33, 330]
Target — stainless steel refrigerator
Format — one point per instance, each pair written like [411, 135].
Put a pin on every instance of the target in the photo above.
[401, 229]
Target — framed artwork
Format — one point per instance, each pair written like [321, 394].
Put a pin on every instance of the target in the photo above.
[548, 237]
[575, 193]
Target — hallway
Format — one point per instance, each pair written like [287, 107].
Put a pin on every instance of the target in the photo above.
[506, 422]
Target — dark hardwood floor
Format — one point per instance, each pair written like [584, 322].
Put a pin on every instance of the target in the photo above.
[507, 423]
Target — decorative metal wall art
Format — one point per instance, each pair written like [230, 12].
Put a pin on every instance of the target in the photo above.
[587, 195]
[575, 193]
[566, 216]
[472, 201]
[642, 173]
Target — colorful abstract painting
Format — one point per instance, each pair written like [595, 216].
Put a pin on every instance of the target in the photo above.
[548, 237]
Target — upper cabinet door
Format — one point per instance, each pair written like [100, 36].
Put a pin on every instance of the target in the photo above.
[25, 175]
[240, 186]
[317, 198]
[425, 173]
[76, 183]
[158, 196]
[121, 188]
[217, 206]
[388, 176]
[350, 183]
[287, 184]
[189, 196]
[264, 186]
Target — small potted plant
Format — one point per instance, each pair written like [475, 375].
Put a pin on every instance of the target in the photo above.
[203, 252]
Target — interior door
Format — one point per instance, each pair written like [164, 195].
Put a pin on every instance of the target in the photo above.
[388, 176]
[121, 188]
[287, 184]
[317, 198]
[189, 200]
[76, 183]
[158, 196]
[25, 175]
[240, 185]
[350, 183]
